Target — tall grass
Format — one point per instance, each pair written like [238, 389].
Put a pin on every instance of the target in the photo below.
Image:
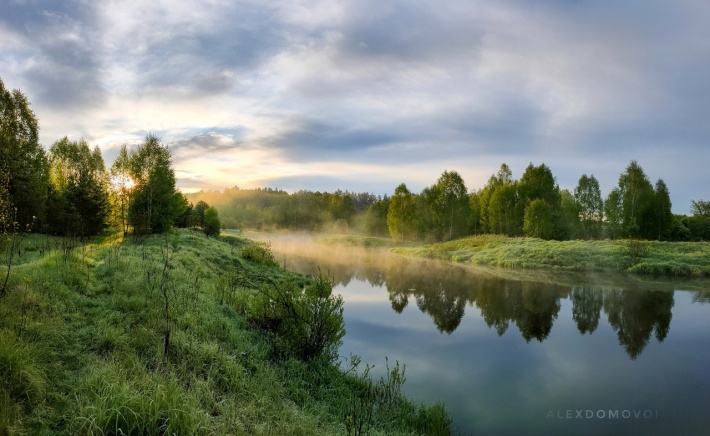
[81, 345]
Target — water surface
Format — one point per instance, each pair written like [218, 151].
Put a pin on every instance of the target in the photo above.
[526, 352]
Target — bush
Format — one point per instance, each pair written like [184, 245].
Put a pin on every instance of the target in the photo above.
[636, 249]
[211, 225]
[259, 253]
[305, 323]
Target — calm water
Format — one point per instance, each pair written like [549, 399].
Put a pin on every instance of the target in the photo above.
[532, 354]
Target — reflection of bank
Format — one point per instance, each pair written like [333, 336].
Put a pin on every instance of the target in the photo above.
[443, 290]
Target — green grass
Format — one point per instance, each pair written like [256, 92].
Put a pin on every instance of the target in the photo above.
[681, 259]
[82, 346]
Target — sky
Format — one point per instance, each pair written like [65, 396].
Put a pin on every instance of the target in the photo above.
[363, 95]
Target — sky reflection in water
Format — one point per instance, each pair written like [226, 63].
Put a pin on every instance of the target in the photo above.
[531, 356]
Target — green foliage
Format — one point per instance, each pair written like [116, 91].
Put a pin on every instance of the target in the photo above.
[376, 218]
[537, 182]
[699, 227]
[662, 211]
[538, 219]
[22, 158]
[79, 198]
[259, 253]
[121, 188]
[305, 323]
[448, 206]
[155, 203]
[612, 212]
[474, 221]
[700, 208]
[568, 219]
[211, 225]
[588, 197]
[267, 208]
[401, 219]
[198, 214]
[637, 198]
[501, 209]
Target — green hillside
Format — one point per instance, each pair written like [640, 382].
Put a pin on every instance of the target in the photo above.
[83, 349]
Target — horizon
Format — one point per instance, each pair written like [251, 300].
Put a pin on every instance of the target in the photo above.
[326, 95]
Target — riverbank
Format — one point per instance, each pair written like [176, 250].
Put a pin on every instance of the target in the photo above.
[675, 259]
[83, 346]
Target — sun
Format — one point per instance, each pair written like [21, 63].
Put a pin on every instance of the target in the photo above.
[120, 182]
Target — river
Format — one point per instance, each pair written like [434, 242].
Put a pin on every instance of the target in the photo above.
[517, 352]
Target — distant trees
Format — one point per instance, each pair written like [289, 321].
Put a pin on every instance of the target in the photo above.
[700, 208]
[502, 209]
[400, 215]
[663, 216]
[449, 202]
[265, 208]
[634, 209]
[588, 198]
[376, 217]
[637, 197]
[697, 226]
[537, 222]
[535, 206]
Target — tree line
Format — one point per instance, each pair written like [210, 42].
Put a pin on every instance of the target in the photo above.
[268, 208]
[69, 191]
[535, 206]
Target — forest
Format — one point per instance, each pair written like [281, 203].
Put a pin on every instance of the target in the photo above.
[533, 205]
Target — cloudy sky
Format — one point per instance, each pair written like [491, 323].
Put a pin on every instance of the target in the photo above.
[363, 95]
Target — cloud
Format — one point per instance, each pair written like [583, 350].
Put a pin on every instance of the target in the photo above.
[214, 141]
[60, 56]
[177, 47]
[404, 89]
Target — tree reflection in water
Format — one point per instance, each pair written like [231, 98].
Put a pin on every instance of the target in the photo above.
[634, 315]
[442, 291]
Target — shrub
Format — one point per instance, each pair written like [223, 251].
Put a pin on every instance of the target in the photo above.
[305, 323]
[211, 225]
[636, 249]
[259, 253]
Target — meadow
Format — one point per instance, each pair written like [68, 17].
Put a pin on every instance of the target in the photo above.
[174, 334]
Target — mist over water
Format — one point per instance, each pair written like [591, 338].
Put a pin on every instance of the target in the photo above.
[521, 351]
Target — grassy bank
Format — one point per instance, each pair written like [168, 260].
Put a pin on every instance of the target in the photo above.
[681, 259]
[83, 350]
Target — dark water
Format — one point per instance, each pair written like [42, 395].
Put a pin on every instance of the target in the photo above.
[528, 353]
